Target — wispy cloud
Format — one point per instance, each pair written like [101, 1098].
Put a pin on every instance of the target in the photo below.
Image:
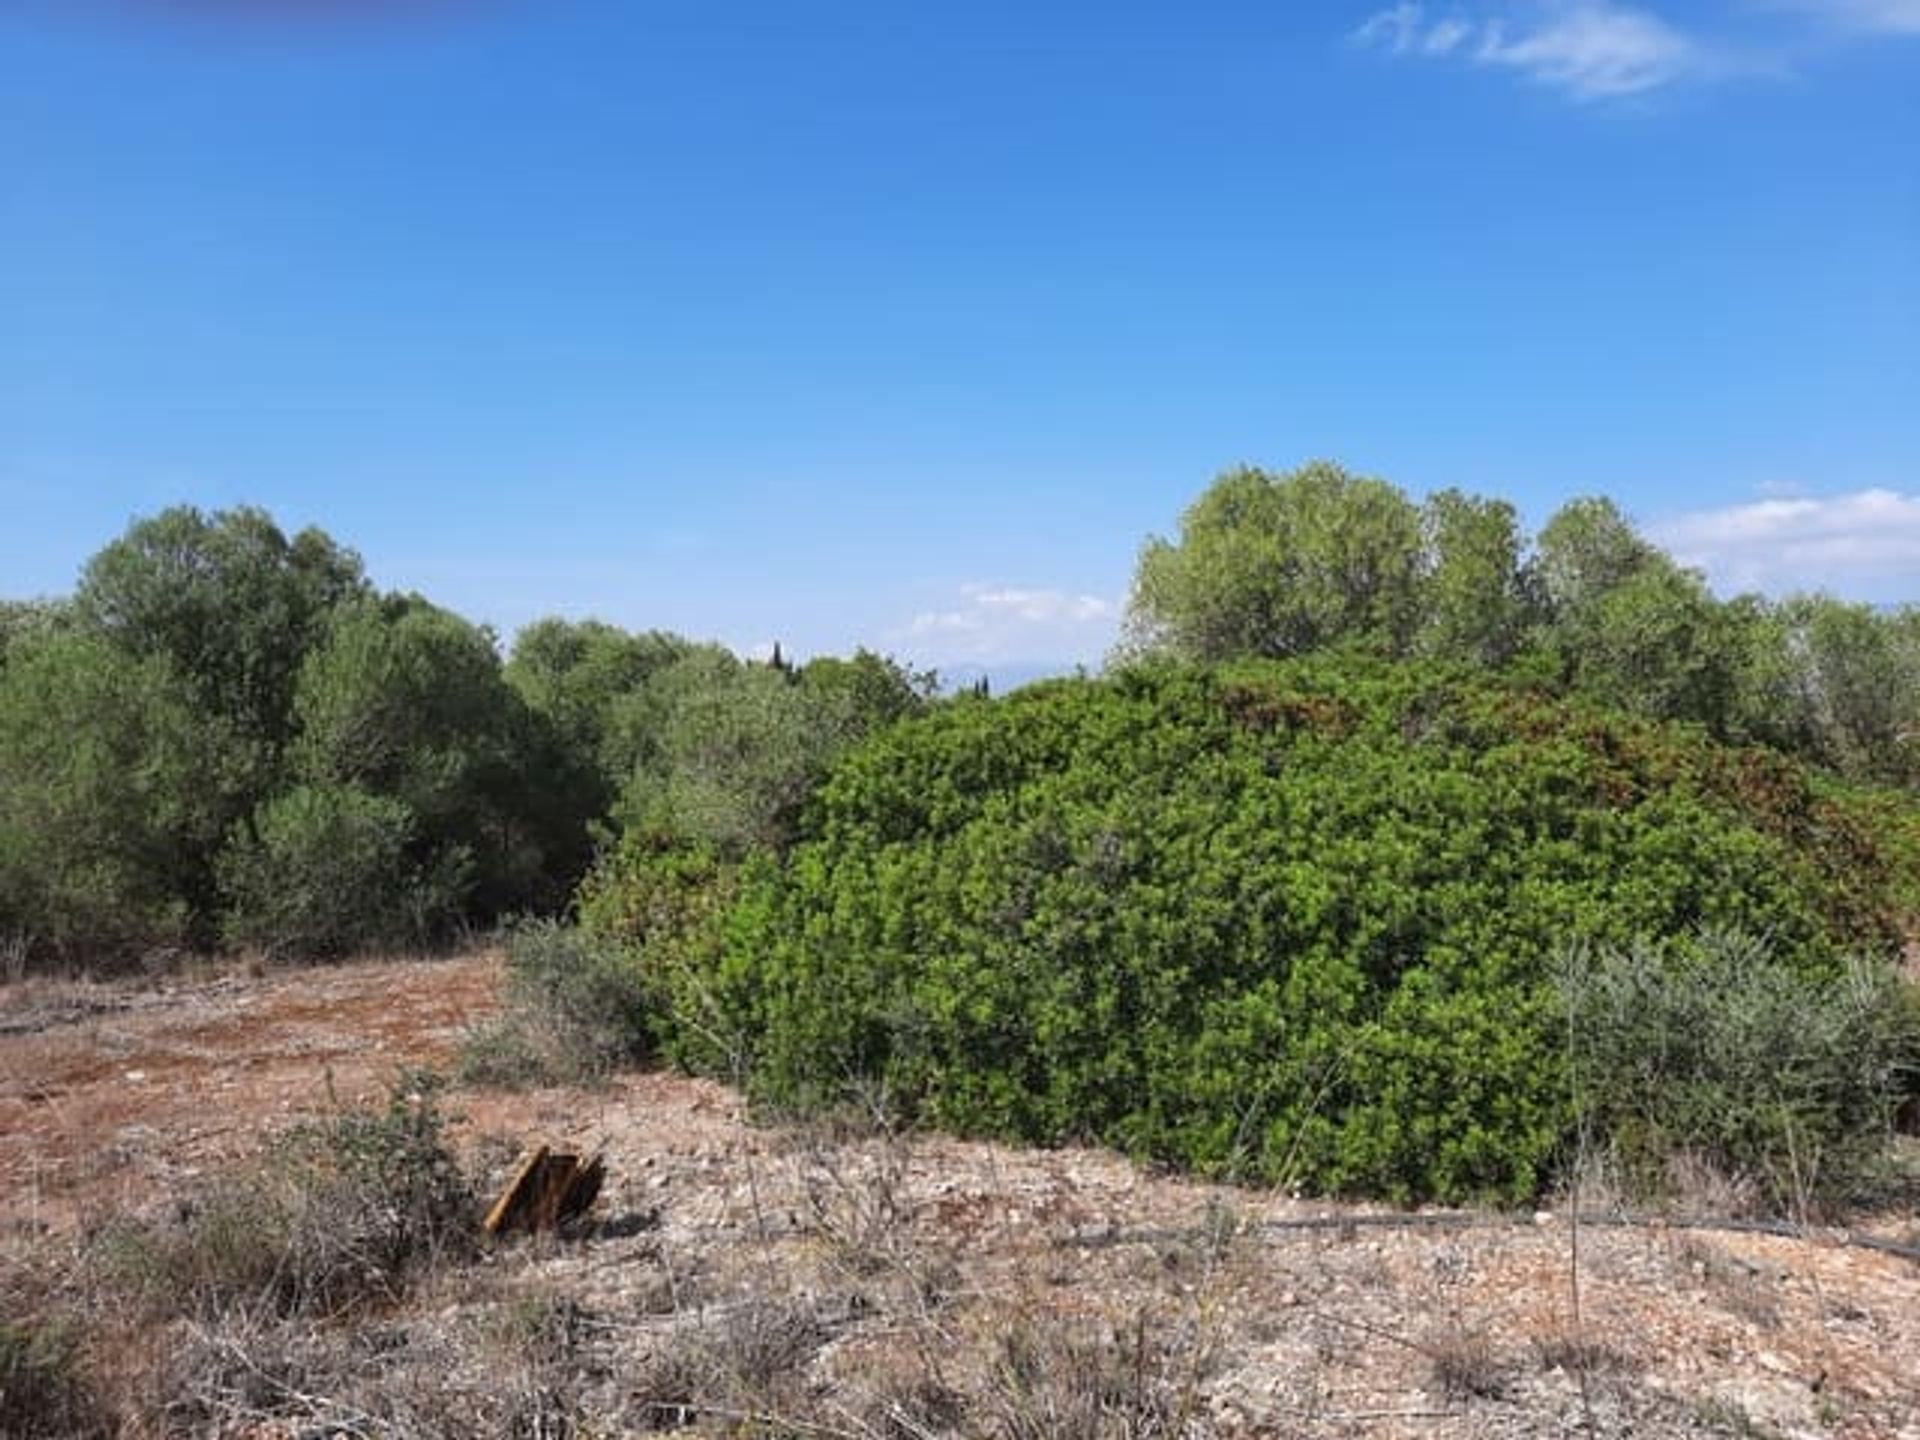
[1864, 545]
[1010, 622]
[1588, 49]
[1595, 50]
[1859, 17]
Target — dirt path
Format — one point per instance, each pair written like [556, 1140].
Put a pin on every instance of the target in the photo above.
[110, 1094]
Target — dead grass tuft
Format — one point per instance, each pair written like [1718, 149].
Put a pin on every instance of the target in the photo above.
[1057, 1380]
[1462, 1364]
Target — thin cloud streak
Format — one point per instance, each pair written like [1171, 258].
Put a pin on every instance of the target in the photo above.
[1588, 49]
[1860, 17]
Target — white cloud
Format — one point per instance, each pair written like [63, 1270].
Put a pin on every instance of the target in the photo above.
[1864, 545]
[1594, 50]
[1010, 622]
[1590, 49]
[1397, 30]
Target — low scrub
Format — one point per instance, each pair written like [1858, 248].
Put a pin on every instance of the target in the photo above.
[1721, 1053]
[339, 1214]
[578, 1005]
[44, 1394]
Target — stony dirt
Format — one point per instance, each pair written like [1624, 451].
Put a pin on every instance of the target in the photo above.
[879, 1284]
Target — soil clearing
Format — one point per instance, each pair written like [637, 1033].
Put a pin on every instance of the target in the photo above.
[913, 1286]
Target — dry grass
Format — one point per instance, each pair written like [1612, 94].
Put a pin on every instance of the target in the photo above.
[847, 1279]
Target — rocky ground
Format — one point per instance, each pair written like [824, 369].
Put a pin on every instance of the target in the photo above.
[849, 1281]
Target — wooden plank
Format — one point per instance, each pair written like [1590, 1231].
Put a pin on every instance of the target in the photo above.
[513, 1200]
[549, 1188]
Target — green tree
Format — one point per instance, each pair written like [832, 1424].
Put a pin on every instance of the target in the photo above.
[231, 601]
[1478, 600]
[1859, 672]
[1630, 626]
[574, 677]
[734, 759]
[23, 621]
[1273, 566]
[853, 698]
[405, 700]
[574, 671]
[1588, 550]
[726, 753]
[1769, 702]
[115, 792]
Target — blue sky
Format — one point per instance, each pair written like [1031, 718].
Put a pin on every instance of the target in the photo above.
[861, 322]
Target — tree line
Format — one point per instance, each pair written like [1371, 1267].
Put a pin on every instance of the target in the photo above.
[228, 736]
[1276, 566]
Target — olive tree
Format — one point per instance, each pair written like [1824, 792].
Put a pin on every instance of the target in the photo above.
[1282, 565]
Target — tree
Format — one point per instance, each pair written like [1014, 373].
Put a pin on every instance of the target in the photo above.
[23, 621]
[853, 698]
[1770, 703]
[1478, 599]
[1860, 677]
[326, 870]
[1282, 565]
[229, 600]
[406, 701]
[1587, 551]
[1633, 628]
[726, 754]
[575, 673]
[734, 756]
[116, 790]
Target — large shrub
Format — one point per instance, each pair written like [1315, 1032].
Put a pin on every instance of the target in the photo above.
[665, 908]
[1289, 922]
[324, 871]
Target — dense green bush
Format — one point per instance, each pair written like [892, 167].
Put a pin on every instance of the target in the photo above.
[324, 871]
[1289, 922]
[1721, 1052]
[666, 907]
